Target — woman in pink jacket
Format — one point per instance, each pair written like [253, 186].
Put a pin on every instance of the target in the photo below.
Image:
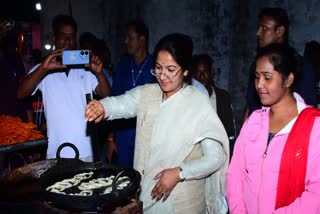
[275, 166]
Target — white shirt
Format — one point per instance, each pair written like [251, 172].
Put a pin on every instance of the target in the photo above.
[64, 99]
[199, 86]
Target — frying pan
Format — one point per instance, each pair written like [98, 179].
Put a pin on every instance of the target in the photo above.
[96, 201]
[23, 182]
[34, 170]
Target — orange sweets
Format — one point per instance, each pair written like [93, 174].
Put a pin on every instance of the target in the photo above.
[13, 130]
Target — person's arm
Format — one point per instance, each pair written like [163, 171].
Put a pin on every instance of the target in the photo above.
[225, 111]
[123, 106]
[32, 80]
[103, 88]
[235, 178]
[211, 161]
[309, 201]
[111, 146]
[108, 76]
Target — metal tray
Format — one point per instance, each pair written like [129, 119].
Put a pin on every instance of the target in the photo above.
[23, 145]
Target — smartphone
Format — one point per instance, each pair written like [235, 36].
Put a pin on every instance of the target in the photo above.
[75, 57]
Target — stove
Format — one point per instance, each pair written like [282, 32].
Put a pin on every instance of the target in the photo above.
[27, 199]
[42, 207]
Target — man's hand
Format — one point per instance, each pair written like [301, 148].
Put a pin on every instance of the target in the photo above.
[51, 62]
[95, 65]
[103, 89]
[31, 81]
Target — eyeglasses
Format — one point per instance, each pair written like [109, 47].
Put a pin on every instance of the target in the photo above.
[169, 74]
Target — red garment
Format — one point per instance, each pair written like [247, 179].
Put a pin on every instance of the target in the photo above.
[293, 166]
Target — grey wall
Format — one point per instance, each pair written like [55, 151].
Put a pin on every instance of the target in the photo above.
[225, 29]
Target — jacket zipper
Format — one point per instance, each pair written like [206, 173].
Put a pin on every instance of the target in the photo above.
[261, 182]
[270, 137]
[264, 155]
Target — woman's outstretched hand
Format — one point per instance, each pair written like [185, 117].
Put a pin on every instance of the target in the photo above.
[94, 111]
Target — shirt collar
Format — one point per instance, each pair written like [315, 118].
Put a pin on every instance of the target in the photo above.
[164, 102]
[300, 106]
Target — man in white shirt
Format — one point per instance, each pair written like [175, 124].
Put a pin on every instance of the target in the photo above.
[64, 92]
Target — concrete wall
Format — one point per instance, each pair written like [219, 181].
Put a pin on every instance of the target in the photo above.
[225, 29]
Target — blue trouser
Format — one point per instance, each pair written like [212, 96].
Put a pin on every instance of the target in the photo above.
[125, 140]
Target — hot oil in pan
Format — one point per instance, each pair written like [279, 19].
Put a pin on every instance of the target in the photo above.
[89, 183]
[93, 202]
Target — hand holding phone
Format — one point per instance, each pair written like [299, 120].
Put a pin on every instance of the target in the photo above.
[75, 57]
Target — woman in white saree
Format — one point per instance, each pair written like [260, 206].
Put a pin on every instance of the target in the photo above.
[182, 149]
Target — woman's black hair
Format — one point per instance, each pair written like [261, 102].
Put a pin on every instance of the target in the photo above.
[180, 47]
[283, 58]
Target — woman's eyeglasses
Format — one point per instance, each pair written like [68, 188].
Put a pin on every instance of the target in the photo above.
[169, 74]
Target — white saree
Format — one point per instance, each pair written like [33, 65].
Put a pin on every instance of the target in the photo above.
[168, 136]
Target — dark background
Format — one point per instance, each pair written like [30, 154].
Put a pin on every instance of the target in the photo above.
[23, 10]
[225, 29]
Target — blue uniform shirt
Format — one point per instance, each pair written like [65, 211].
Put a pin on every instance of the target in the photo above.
[127, 76]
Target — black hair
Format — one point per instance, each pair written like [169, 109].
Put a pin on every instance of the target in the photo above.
[311, 48]
[283, 58]
[60, 20]
[88, 39]
[98, 46]
[202, 59]
[280, 17]
[180, 47]
[141, 29]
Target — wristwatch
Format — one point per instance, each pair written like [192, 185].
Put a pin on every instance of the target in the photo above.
[181, 175]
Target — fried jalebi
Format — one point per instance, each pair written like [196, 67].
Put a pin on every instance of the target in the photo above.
[13, 130]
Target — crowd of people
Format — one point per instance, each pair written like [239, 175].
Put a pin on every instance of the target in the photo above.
[163, 115]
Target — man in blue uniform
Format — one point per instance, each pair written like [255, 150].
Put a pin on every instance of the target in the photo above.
[132, 70]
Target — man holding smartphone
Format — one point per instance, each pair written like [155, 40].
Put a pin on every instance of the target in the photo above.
[64, 91]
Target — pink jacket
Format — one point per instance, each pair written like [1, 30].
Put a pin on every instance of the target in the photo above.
[252, 176]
